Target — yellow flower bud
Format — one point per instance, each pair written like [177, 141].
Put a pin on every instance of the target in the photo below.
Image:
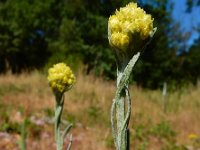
[114, 24]
[192, 136]
[60, 78]
[120, 40]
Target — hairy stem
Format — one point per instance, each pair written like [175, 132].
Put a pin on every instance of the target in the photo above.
[120, 130]
[58, 112]
[120, 115]
[114, 132]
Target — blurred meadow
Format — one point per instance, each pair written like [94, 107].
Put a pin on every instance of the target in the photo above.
[34, 35]
[87, 106]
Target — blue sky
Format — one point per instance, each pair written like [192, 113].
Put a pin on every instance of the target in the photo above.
[187, 20]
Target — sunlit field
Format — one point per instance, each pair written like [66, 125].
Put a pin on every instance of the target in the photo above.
[87, 106]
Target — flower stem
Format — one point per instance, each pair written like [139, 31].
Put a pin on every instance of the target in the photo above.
[58, 112]
[60, 138]
[122, 115]
[22, 141]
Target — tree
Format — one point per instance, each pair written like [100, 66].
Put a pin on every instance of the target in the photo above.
[34, 34]
[25, 28]
[158, 60]
[191, 63]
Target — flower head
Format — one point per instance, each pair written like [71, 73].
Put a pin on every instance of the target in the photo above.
[192, 136]
[60, 78]
[127, 25]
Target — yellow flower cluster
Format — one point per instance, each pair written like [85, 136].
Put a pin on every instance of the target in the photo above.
[60, 77]
[192, 136]
[128, 21]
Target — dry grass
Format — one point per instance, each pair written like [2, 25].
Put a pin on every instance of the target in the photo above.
[87, 105]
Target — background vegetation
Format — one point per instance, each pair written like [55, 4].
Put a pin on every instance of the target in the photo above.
[36, 34]
[87, 106]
